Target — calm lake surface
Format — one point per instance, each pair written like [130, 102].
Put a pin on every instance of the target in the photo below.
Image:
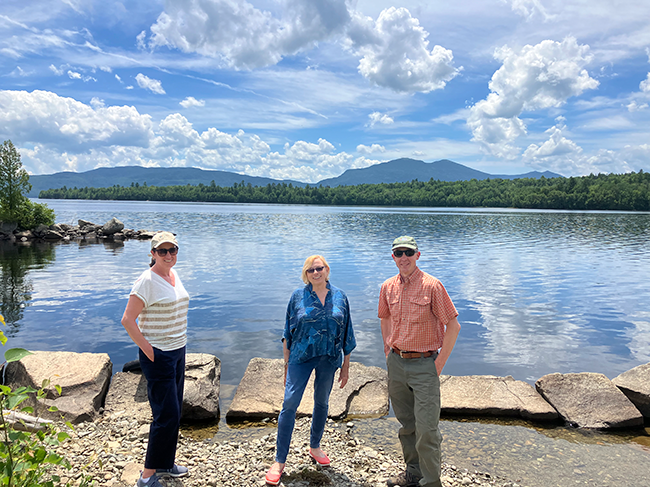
[537, 292]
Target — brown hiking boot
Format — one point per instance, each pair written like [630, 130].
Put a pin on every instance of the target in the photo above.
[404, 479]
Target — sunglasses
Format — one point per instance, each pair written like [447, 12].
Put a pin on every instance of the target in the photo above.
[408, 252]
[315, 269]
[163, 252]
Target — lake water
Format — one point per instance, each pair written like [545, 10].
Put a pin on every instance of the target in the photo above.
[537, 292]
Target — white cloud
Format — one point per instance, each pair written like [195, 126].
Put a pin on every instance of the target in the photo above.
[69, 125]
[118, 79]
[645, 85]
[190, 101]
[395, 53]
[64, 134]
[394, 50]
[244, 36]
[633, 106]
[562, 155]
[152, 85]
[532, 78]
[364, 149]
[55, 70]
[19, 73]
[77, 75]
[377, 117]
[529, 8]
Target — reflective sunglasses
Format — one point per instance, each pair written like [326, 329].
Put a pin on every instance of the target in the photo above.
[315, 269]
[163, 252]
[408, 252]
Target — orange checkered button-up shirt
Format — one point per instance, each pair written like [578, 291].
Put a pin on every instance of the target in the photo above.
[419, 308]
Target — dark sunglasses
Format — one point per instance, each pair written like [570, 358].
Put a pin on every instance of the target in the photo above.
[408, 252]
[315, 269]
[163, 252]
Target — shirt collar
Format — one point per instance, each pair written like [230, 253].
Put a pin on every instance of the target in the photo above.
[310, 286]
[406, 280]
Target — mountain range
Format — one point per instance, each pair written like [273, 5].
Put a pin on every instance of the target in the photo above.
[396, 171]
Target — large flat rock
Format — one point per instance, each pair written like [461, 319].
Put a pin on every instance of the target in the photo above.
[261, 392]
[83, 378]
[589, 400]
[635, 384]
[127, 394]
[487, 395]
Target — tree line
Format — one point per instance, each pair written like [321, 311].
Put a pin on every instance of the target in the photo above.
[629, 191]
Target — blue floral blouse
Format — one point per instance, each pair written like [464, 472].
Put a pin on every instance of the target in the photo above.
[313, 329]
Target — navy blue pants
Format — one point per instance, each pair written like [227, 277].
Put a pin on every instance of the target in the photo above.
[165, 380]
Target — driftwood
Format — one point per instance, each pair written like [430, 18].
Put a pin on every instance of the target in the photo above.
[24, 422]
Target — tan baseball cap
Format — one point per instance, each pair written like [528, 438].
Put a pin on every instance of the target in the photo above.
[161, 238]
[406, 242]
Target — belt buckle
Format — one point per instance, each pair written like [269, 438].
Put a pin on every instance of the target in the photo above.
[401, 352]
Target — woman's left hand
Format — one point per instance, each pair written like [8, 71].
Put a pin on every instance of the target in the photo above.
[343, 376]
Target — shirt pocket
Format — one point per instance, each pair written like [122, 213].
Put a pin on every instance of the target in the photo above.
[420, 309]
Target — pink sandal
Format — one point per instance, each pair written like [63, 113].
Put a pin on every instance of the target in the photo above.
[273, 478]
[323, 461]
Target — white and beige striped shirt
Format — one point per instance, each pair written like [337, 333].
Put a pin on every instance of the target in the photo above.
[163, 321]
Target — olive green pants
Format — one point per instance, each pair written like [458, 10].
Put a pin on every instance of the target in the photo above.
[414, 389]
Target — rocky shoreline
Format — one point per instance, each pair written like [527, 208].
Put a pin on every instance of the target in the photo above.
[82, 231]
[112, 448]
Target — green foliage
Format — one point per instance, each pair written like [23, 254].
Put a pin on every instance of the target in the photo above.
[629, 192]
[14, 184]
[26, 456]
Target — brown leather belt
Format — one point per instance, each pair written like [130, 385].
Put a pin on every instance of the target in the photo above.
[412, 354]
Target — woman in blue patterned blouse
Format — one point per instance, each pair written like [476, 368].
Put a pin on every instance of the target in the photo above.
[317, 336]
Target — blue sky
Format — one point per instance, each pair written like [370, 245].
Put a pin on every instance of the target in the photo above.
[305, 89]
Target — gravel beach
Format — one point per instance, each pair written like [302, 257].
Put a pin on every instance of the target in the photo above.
[111, 451]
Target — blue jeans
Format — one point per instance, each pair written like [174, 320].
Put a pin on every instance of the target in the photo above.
[165, 380]
[297, 378]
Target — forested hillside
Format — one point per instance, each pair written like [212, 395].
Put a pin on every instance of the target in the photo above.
[602, 192]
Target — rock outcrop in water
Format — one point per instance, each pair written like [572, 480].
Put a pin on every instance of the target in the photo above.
[83, 230]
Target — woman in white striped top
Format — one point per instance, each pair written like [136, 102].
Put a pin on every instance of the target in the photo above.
[156, 320]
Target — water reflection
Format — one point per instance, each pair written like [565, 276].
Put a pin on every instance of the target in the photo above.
[16, 287]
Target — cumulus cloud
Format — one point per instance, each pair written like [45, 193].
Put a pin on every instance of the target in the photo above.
[364, 149]
[394, 50]
[190, 101]
[633, 106]
[532, 78]
[645, 85]
[395, 53]
[77, 75]
[69, 125]
[244, 36]
[377, 117]
[529, 8]
[152, 85]
[64, 134]
[562, 155]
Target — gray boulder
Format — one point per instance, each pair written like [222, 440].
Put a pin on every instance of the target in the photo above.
[27, 234]
[261, 391]
[83, 223]
[481, 395]
[635, 384]
[112, 226]
[7, 228]
[202, 382]
[52, 235]
[127, 394]
[40, 230]
[83, 378]
[589, 400]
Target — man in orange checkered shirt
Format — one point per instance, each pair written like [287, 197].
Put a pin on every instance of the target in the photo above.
[419, 328]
